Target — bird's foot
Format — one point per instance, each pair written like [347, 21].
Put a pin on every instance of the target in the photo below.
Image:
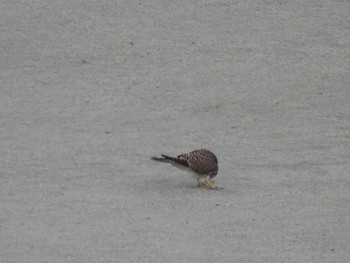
[209, 184]
[200, 185]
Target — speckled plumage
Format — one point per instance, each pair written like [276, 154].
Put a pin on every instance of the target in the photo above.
[203, 162]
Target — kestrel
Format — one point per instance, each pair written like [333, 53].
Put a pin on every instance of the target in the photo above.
[202, 162]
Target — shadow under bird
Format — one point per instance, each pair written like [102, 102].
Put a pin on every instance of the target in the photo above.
[202, 162]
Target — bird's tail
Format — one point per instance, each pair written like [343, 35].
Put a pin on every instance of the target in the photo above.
[169, 159]
[163, 160]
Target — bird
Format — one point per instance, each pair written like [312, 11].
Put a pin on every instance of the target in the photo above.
[202, 162]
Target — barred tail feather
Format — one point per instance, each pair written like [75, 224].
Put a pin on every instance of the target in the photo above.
[163, 160]
[176, 160]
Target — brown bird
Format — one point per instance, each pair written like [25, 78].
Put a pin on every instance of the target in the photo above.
[202, 162]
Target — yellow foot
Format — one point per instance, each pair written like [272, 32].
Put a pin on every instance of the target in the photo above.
[209, 184]
[200, 185]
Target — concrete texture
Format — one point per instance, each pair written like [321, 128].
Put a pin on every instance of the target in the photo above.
[90, 90]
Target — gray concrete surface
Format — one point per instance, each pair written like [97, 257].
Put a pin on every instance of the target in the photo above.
[91, 89]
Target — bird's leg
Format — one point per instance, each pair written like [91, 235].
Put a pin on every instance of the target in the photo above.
[209, 183]
[199, 183]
